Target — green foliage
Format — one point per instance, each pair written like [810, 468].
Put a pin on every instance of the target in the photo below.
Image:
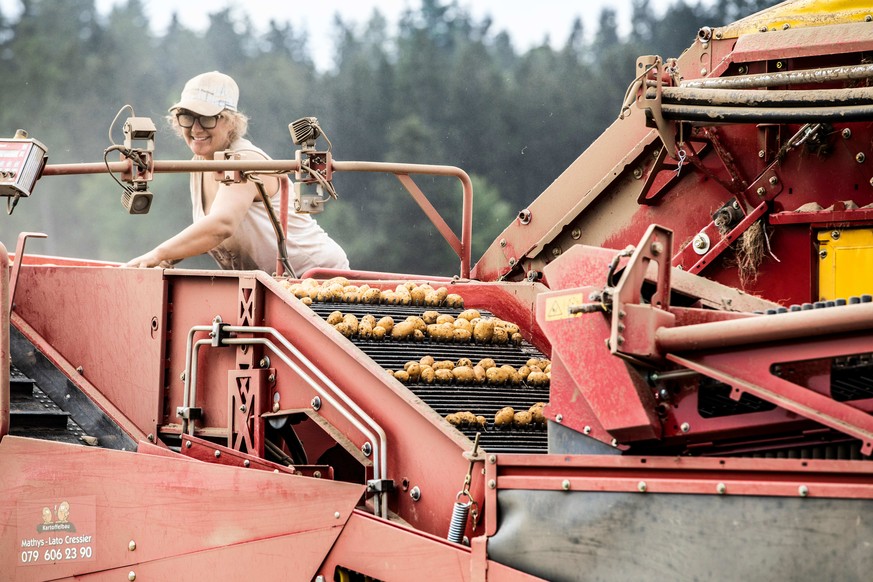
[443, 89]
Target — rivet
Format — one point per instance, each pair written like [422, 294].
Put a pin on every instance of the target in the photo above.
[217, 454]
[685, 427]
[556, 251]
[492, 459]
[641, 487]
[638, 173]
[822, 254]
[761, 191]
[586, 430]
[315, 402]
[847, 133]
[80, 370]
[151, 437]
[242, 408]
[773, 180]
[576, 233]
[721, 488]
[316, 474]
[187, 444]
[762, 29]
[367, 449]
[503, 242]
[786, 26]
[559, 418]
[247, 463]
[131, 575]
[271, 378]
[761, 153]
[415, 493]
[657, 248]
[803, 491]
[336, 514]
[565, 485]
[835, 234]
[131, 545]
[703, 71]
[511, 261]
[492, 484]
[860, 157]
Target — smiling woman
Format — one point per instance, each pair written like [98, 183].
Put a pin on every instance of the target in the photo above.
[232, 222]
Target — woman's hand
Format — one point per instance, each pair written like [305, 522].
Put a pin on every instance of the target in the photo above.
[148, 260]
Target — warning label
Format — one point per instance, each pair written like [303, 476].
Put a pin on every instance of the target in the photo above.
[559, 307]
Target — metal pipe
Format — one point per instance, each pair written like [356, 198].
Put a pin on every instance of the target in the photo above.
[775, 98]
[779, 79]
[741, 114]
[5, 362]
[766, 328]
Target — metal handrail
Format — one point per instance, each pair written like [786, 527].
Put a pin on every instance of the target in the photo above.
[375, 432]
[462, 246]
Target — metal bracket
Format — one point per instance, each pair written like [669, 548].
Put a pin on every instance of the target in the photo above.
[379, 486]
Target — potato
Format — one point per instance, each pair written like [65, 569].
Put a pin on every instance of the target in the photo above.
[445, 318]
[352, 321]
[418, 335]
[510, 328]
[504, 417]
[306, 300]
[369, 318]
[430, 316]
[426, 361]
[499, 336]
[479, 374]
[403, 330]
[335, 292]
[467, 418]
[365, 330]
[344, 329]
[427, 375]
[417, 322]
[440, 332]
[417, 295]
[496, 376]
[371, 296]
[386, 322]
[487, 363]
[481, 421]
[443, 365]
[516, 338]
[469, 314]
[523, 372]
[462, 336]
[414, 370]
[537, 379]
[443, 376]
[341, 281]
[402, 375]
[536, 412]
[454, 419]
[483, 331]
[464, 362]
[379, 332]
[454, 300]
[463, 374]
[432, 299]
[521, 418]
[462, 323]
[335, 317]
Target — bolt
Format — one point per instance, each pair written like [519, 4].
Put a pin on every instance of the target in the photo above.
[275, 407]
[773, 180]
[511, 261]
[835, 234]
[187, 444]
[762, 29]
[786, 26]
[217, 454]
[247, 463]
[415, 493]
[721, 488]
[565, 485]
[151, 437]
[586, 430]
[699, 242]
[367, 449]
[182, 376]
[847, 133]
[638, 173]
[503, 242]
[556, 251]
[761, 191]
[657, 248]
[803, 491]
[685, 427]
[559, 418]
[492, 459]
[779, 64]
[860, 157]
[576, 233]
[703, 72]
[868, 18]
[614, 442]
[131, 545]
[641, 487]
[822, 253]
[316, 474]
[761, 153]
[271, 378]
[336, 514]
[131, 576]
[80, 370]
[524, 216]
[316, 403]
[264, 362]
[242, 408]
[492, 484]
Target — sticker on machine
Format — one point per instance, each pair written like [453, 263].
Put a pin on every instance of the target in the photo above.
[559, 307]
[58, 530]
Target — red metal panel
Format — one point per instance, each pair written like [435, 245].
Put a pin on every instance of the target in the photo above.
[108, 323]
[167, 507]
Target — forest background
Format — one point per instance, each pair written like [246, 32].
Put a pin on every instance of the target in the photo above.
[441, 88]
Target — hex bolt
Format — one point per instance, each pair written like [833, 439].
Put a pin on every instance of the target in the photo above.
[860, 157]
[846, 133]
[131, 545]
[803, 491]
[316, 403]
[773, 180]
[565, 485]
[721, 488]
[492, 484]
[367, 449]
[685, 427]
[415, 493]
[823, 254]
[761, 191]
[641, 487]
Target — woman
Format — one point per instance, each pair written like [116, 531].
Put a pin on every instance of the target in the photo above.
[231, 222]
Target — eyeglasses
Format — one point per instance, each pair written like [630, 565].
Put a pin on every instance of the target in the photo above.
[205, 121]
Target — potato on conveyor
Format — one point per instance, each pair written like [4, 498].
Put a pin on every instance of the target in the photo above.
[537, 379]
[370, 296]
[496, 376]
[469, 314]
[464, 362]
[443, 365]
[483, 331]
[426, 361]
[430, 316]
[417, 322]
[386, 322]
[427, 375]
[487, 363]
[402, 375]
[454, 300]
[403, 330]
[379, 332]
[522, 418]
[350, 320]
[479, 374]
[463, 374]
[445, 318]
[443, 376]
[504, 417]
[461, 336]
[335, 317]
[536, 412]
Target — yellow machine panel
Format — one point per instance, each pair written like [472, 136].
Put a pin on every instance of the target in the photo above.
[845, 266]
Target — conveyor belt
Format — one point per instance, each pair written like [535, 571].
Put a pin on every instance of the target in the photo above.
[34, 415]
[445, 399]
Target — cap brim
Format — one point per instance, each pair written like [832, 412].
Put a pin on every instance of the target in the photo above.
[198, 107]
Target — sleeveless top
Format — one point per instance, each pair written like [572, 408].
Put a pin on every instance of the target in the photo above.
[253, 245]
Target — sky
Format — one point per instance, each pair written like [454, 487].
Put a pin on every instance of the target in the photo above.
[528, 23]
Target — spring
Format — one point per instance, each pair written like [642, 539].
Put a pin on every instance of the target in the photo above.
[460, 511]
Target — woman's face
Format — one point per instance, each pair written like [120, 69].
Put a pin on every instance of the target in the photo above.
[205, 142]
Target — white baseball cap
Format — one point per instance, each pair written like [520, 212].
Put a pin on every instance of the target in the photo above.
[209, 94]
